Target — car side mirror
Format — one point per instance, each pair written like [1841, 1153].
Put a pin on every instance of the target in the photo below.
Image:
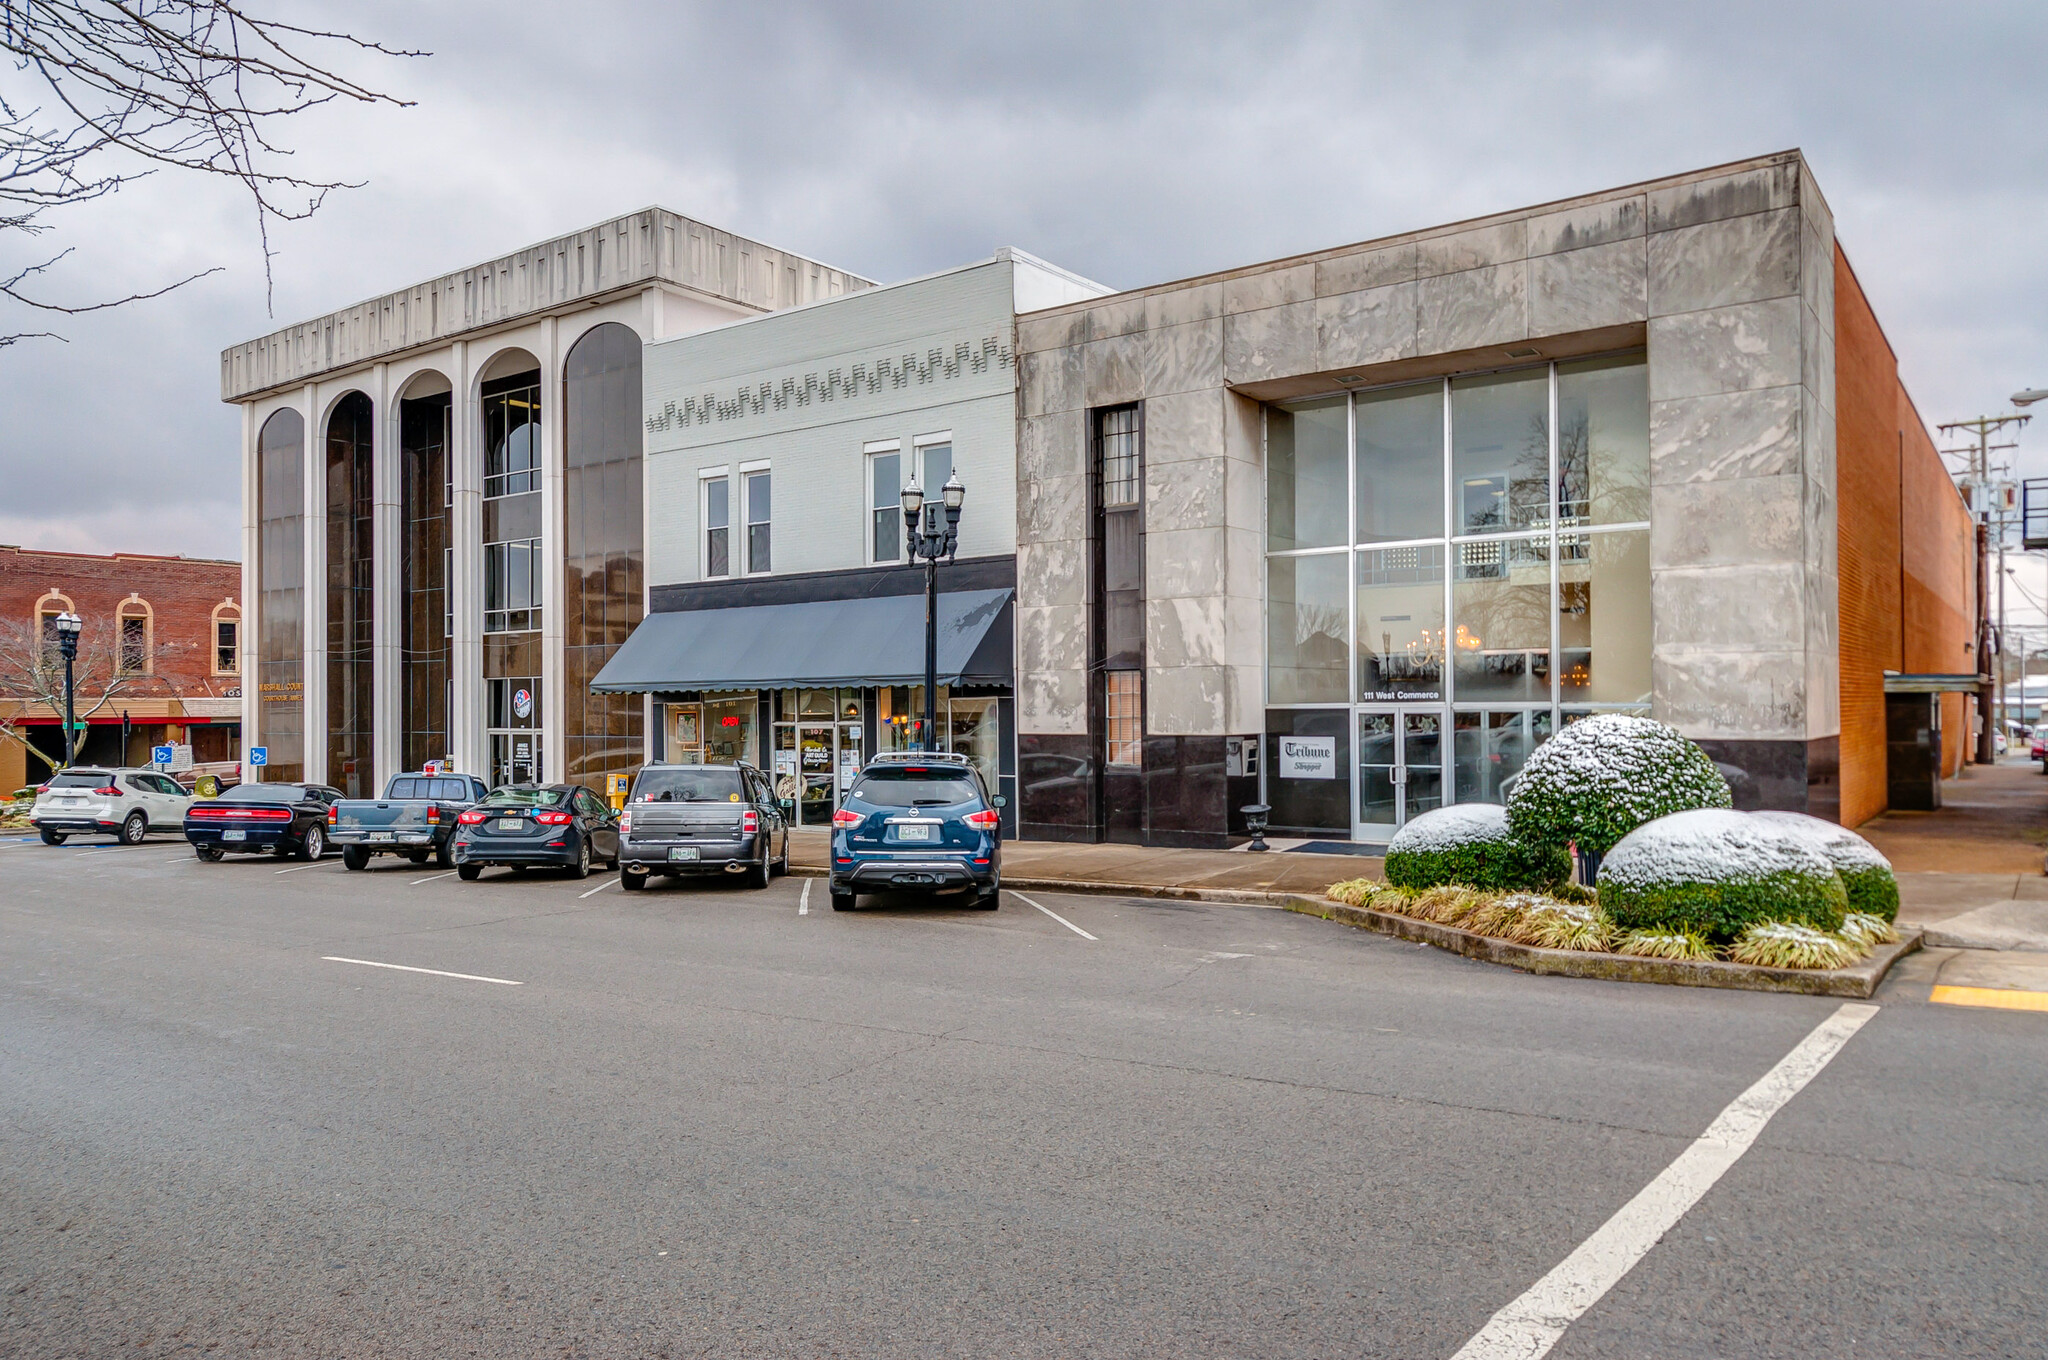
[999, 801]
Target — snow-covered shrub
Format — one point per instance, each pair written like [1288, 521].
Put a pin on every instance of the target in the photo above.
[1470, 844]
[1780, 944]
[1604, 776]
[1866, 874]
[1715, 873]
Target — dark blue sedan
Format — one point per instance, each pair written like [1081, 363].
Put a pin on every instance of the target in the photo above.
[920, 822]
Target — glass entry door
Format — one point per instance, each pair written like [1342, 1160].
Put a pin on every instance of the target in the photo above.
[1400, 768]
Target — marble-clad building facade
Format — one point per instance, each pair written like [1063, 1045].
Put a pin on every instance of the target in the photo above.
[1686, 546]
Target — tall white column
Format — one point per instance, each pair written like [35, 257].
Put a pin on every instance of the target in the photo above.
[653, 327]
[252, 623]
[553, 540]
[466, 536]
[313, 692]
[387, 538]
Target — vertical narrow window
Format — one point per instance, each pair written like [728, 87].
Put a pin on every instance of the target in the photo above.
[351, 592]
[757, 521]
[227, 646]
[885, 504]
[1120, 482]
[512, 508]
[1124, 709]
[134, 640]
[717, 528]
[281, 593]
[936, 463]
[426, 563]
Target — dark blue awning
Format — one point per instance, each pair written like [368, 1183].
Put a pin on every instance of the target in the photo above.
[872, 641]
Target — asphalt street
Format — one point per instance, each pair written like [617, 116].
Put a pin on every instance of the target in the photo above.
[702, 1121]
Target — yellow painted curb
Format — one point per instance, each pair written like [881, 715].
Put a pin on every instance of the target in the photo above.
[2001, 997]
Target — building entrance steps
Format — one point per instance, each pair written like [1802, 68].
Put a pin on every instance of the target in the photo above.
[1138, 869]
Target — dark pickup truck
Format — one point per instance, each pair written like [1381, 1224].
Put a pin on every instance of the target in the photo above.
[415, 818]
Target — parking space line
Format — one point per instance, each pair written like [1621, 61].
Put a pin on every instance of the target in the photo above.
[598, 889]
[299, 868]
[1055, 916]
[436, 972]
[2000, 998]
[1527, 1328]
[803, 903]
[432, 878]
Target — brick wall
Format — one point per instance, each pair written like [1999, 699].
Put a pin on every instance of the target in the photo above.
[1906, 561]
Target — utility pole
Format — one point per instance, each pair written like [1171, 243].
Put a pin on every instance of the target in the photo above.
[1978, 491]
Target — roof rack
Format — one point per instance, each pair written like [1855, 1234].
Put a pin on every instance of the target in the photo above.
[919, 758]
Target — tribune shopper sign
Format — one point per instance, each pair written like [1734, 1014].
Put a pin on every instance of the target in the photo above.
[1308, 757]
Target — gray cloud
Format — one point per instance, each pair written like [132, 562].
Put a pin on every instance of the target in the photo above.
[1132, 143]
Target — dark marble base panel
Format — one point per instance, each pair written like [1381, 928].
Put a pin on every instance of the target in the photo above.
[1787, 776]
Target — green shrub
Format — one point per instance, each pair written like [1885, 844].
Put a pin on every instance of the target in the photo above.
[1866, 874]
[1716, 873]
[1470, 845]
[1604, 776]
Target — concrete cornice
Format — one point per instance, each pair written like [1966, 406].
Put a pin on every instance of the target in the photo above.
[650, 247]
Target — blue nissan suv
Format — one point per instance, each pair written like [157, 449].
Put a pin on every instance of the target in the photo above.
[917, 821]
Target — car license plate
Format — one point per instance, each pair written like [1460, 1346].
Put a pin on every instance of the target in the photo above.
[234, 835]
[684, 852]
[916, 831]
[512, 824]
[380, 835]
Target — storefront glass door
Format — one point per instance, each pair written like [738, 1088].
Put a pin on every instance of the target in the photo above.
[1400, 768]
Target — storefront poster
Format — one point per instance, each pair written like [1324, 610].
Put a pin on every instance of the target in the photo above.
[1308, 758]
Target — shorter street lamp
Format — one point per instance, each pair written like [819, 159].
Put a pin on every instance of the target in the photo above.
[928, 542]
[68, 625]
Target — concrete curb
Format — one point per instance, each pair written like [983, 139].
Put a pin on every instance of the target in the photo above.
[1242, 897]
[1859, 981]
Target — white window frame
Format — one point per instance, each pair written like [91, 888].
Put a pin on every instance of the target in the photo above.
[873, 449]
[758, 468]
[705, 477]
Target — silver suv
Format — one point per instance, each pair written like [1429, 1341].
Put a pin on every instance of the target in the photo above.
[124, 803]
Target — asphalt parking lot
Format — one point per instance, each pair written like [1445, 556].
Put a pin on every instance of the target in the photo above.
[282, 1108]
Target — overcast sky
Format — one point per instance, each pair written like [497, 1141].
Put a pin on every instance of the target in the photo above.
[1131, 143]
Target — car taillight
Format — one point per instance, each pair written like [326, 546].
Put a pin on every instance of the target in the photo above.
[433, 814]
[846, 817]
[333, 814]
[625, 823]
[108, 792]
[750, 822]
[471, 818]
[986, 819]
[42, 788]
[552, 818]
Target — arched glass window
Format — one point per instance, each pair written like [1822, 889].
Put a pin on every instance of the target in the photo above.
[511, 420]
[281, 594]
[227, 638]
[351, 594]
[426, 625]
[135, 648]
[603, 556]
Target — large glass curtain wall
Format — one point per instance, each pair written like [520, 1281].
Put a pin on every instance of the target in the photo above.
[425, 625]
[512, 574]
[603, 571]
[1453, 568]
[281, 594]
[350, 595]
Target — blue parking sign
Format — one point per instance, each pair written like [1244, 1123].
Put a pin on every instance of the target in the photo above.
[259, 755]
[161, 755]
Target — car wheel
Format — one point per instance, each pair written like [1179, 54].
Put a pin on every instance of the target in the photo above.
[989, 900]
[842, 901]
[355, 857]
[52, 837]
[782, 865]
[444, 855]
[210, 854]
[135, 828]
[313, 844]
[468, 872]
[631, 881]
[581, 868]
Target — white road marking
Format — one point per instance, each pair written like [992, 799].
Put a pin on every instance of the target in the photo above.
[803, 903]
[432, 879]
[1055, 916]
[1527, 1328]
[299, 868]
[436, 972]
[598, 889]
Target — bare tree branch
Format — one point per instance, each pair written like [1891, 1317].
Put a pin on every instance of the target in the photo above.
[125, 88]
[32, 676]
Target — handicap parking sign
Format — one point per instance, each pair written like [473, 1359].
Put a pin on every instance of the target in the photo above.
[161, 755]
[259, 755]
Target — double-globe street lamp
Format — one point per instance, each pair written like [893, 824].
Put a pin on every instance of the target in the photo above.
[928, 542]
[68, 626]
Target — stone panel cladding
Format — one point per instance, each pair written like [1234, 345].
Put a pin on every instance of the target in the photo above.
[1725, 276]
[652, 246]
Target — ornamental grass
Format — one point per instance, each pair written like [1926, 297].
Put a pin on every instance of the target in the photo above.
[1664, 944]
[1783, 944]
[1868, 929]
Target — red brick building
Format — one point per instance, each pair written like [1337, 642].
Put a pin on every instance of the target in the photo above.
[164, 634]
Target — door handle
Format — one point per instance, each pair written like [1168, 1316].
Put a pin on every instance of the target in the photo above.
[1400, 774]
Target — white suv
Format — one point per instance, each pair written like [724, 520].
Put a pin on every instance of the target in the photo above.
[127, 804]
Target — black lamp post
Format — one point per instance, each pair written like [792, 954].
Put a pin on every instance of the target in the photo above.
[928, 542]
[68, 625]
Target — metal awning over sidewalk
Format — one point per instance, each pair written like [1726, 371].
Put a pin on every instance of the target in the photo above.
[872, 641]
[1933, 683]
